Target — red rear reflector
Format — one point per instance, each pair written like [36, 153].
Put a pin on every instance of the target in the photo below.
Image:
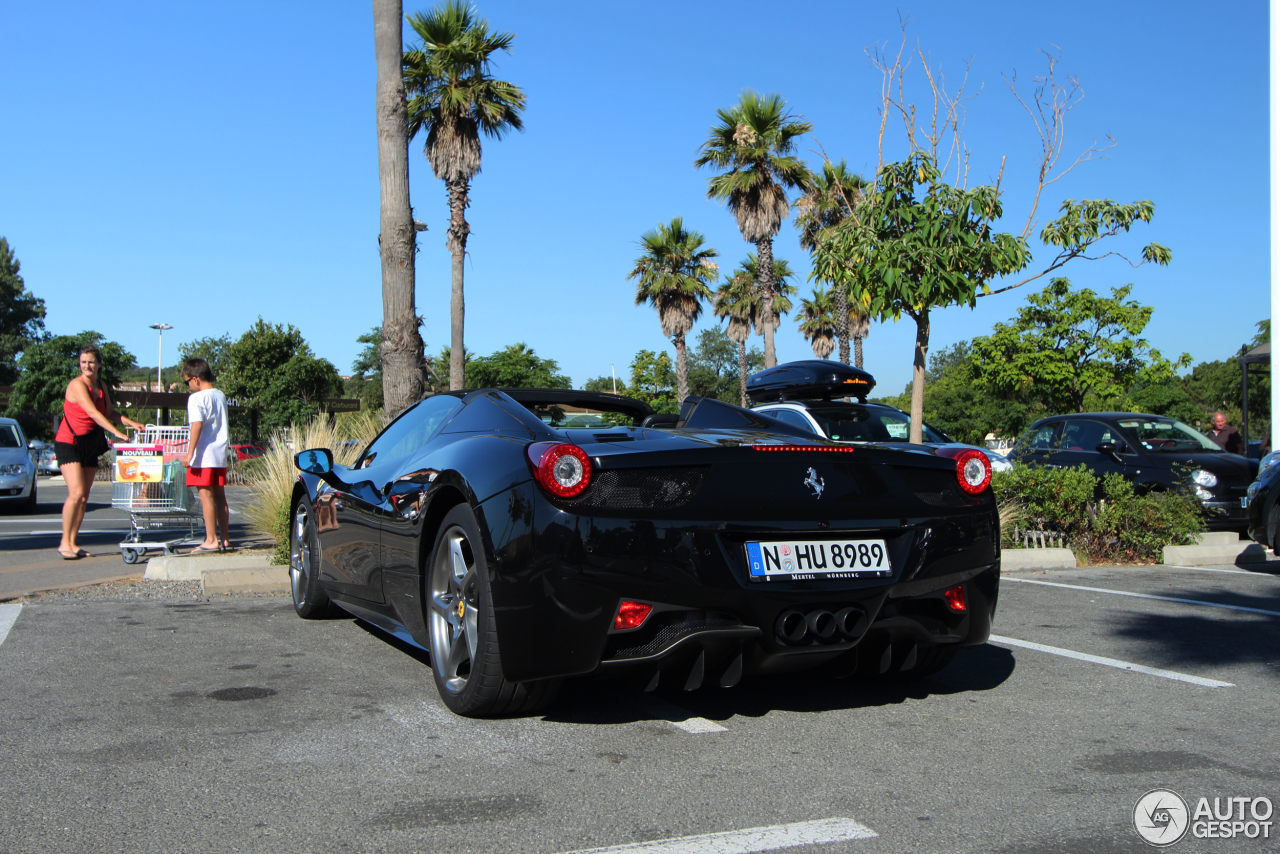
[955, 598]
[826, 449]
[631, 615]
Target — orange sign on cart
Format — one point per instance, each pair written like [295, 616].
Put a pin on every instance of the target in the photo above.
[139, 463]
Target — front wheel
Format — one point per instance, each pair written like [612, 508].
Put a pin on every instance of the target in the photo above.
[32, 500]
[464, 639]
[310, 600]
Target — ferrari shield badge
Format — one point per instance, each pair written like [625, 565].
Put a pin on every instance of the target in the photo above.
[815, 483]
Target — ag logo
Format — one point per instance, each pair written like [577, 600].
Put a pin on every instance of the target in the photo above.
[1161, 817]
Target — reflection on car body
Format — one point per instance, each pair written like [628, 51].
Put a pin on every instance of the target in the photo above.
[520, 553]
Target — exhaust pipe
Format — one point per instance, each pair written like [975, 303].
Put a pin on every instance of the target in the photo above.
[822, 624]
[851, 622]
[791, 627]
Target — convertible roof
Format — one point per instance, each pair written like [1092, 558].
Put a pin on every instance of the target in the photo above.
[583, 399]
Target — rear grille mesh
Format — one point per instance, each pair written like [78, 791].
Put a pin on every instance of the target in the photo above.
[681, 625]
[643, 489]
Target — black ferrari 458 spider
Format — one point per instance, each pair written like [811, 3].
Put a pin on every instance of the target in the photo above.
[688, 550]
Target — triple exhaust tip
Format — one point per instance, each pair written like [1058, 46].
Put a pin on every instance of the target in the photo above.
[794, 627]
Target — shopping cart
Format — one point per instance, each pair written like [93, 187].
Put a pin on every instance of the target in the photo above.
[150, 481]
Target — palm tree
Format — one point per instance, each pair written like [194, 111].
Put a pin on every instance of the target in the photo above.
[454, 98]
[832, 196]
[754, 141]
[859, 328]
[818, 322]
[738, 301]
[783, 289]
[400, 351]
[672, 277]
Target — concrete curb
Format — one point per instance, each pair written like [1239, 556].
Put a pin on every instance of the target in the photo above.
[1012, 560]
[191, 567]
[1215, 554]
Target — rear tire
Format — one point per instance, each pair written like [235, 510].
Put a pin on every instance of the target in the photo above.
[465, 661]
[310, 600]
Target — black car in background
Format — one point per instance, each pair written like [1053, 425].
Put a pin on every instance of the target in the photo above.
[1264, 497]
[519, 550]
[1150, 451]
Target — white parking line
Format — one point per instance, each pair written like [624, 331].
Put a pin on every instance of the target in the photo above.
[8, 616]
[1146, 596]
[1228, 571]
[1113, 662]
[770, 838]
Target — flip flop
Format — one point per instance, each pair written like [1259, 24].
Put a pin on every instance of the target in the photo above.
[202, 550]
[66, 556]
[83, 553]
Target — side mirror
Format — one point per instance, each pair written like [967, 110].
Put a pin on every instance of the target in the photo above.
[318, 461]
[1111, 449]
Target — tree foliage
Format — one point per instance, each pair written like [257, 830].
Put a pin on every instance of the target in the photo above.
[366, 371]
[1066, 345]
[272, 369]
[515, 366]
[673, 274]
[713, 365]
[653, 380]
[21, 314]
[212, 349]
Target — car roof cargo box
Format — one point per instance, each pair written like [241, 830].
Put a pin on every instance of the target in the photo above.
[812, 379]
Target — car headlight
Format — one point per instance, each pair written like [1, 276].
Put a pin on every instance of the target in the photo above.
[1268, 464]
[1203, 494]
[13, 469]
[1204, 478]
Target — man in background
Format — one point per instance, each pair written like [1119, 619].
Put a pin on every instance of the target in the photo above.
[1225, 435]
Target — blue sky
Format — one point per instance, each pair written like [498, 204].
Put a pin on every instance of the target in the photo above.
[202, 164]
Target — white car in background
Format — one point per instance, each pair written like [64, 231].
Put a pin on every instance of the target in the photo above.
[17, 470]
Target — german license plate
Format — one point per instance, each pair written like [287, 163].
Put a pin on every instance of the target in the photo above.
[799, 560]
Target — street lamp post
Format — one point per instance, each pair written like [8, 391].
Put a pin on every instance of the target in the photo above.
[160, 327]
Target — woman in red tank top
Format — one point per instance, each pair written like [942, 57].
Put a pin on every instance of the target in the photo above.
[87, 413]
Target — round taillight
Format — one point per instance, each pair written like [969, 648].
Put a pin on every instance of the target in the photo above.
[562, 469]
[973, 471]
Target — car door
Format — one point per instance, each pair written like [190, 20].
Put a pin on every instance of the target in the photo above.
[1036, 448]
[1077, 444]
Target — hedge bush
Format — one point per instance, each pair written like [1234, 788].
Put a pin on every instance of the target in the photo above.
[1102, 519]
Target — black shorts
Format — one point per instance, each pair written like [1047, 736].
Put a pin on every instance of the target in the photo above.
[65, 453]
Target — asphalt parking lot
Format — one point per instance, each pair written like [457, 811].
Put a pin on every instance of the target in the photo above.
[232, 725]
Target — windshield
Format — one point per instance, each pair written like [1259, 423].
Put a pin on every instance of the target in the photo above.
[850, 422]
[571, 418]
[9, 437]
[1165, 435]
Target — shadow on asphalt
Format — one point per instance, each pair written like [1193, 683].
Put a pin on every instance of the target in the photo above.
[1208, 637]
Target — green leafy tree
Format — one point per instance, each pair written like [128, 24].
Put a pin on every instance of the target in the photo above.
[455, 98]
[714, 369]
[653, 380]
[212, 350]
[1065, 345]
[272, 369]
[673, 276]
[605, 384]
[21, 314]
[438, 369]
[754, 142]
[832, 195]
[366, 371]
[47, 366]
[919, 244]
[516, 366]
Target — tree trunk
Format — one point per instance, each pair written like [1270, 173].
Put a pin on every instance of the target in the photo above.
[842, 321]
[917, 376]
[457, 243]
[742, 372]
[857, 351]
[764, 281]
[682, 369]
[402, 363]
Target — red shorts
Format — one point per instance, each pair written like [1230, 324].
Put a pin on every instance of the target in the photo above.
[206, 477]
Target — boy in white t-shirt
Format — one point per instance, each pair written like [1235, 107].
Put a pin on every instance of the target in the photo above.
[206, 459]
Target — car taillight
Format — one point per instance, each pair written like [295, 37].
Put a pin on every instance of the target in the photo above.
[973, 468]
[827, 449]
[631, 615]
[562, 469]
